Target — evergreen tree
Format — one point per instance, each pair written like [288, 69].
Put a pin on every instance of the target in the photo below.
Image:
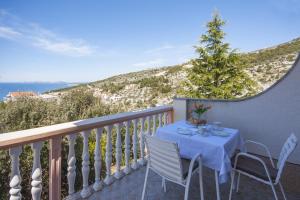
[218, 72]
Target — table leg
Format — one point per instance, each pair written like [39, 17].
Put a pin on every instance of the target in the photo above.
[231, 176]
[217, 185]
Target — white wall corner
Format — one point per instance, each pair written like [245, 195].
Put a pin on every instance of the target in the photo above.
[180, 109]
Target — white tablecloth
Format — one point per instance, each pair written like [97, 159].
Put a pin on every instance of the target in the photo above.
[216, 151]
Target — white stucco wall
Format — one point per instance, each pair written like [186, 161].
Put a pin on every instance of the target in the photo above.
[269, 117]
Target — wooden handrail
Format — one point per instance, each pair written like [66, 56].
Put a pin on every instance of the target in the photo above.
[17, 138]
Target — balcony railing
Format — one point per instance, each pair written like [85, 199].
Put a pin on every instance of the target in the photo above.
[146, 121]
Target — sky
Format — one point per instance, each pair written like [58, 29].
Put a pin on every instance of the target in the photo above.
[82, 41]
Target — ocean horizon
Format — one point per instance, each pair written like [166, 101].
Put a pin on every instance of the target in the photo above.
[38, 87]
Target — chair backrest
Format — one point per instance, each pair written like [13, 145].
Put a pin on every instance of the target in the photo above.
[164, 158]
[288, 147]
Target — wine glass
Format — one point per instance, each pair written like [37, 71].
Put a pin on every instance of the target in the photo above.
[217, 125]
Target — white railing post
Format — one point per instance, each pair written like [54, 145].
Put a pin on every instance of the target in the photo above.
[154, 125]
[108, 156]
[55, 168]
[134, 145]
[160, 120]
[170, 117]
[98, 161]
[15, 180]
[142, 143]
[127, 148]
[165, 119]
[85, 192]
[148, 125]
[71, 166]
[36, 183]
[118, 173]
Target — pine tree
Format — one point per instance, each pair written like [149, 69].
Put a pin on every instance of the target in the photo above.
[218, 72]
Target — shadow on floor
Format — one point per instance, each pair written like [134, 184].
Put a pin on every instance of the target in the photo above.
[130, 187]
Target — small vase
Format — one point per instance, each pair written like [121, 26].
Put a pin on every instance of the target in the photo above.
[198, 119]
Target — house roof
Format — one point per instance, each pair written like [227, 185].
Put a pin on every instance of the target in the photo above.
[22, 94]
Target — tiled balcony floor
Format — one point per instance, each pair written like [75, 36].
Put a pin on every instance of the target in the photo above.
[130, 187]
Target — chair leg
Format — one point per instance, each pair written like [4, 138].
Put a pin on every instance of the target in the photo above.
[186, 192]
[282, 191]
[187, 186]
[274, 191]
[201, 182]
[163, 184]
[145, 183]
[238, 182]
[232, 182]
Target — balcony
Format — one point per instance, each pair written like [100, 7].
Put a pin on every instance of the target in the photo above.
[117, 170]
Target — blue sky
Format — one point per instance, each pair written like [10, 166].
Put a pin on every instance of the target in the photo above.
[79, 41]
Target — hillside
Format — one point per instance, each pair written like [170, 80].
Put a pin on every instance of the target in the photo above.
[159, 85]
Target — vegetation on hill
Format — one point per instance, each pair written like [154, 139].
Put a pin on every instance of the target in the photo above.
[135, 90]
[266, 66]
[271, 54]
[112, 87]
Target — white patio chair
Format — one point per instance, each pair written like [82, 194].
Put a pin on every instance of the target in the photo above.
[254, 167]
[165, 161]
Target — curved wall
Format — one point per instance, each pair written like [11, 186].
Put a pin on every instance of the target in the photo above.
[268, 117]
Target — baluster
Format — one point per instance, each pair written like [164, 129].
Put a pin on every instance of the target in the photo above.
[71, 165]
[36, 176]
[160, 120]
[148, 125]
[134, 145]
[98, 159]
[165, 118]
[142, 143]
[127, 148]
[118, 173]
[154, 125]
[15, 181]
[85, 192]
[108, 156]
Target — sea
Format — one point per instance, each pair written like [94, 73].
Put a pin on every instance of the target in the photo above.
[37, 87]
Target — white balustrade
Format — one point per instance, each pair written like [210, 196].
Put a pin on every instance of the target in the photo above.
[142, 143]
[127, 169]
[162, 116]
[71, 166]
[118, 173]
[160, 119]
[98, 159]
[85, 192]
[134, 145]
[36, 183]
[15, 180]
[154, 125]
[108, 156]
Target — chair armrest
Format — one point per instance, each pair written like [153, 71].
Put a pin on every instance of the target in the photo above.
[264, 147]
[192, 163]
[242, 154]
